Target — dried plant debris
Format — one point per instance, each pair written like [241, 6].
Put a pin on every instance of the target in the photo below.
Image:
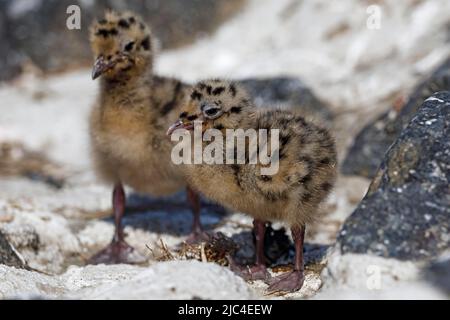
[161, 252]
[16, 160]
[217, 249]
[9, 255]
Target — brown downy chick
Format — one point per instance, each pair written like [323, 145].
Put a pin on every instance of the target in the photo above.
[306, 174]
[128, 122]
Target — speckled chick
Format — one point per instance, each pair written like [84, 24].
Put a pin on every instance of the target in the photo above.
[306, 175]
[129, 121]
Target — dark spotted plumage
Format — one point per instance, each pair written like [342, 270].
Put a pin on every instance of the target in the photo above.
[326, 186]
[284, 139]
[218, 90]
[107, 32]
[118, 39]
[146, 43]
[301, 179]
[236, 109]
[129, 46]
[195, 95]
[134, 108]
[177, 96]
[183, 115]
[306, 179]
[236, 170]
[232, 89]
[123, 23]
[136, 105]
[307, 158]
[325, 161]
[306, 197]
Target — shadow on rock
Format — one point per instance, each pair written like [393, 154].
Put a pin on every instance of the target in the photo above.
[287, 92]
[167, 215]
[406, 212]
[371, 144]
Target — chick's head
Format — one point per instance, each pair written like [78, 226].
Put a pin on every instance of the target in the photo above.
[218, 104]
[121, 44]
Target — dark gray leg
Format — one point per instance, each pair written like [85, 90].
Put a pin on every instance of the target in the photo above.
[197, 235]
[292, 281]
[118, 251]
[258, 271]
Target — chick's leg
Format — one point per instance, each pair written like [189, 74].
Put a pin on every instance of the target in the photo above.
[292, 281]
[118, 251]
[258, 271]
[118, 201]
[197, 235]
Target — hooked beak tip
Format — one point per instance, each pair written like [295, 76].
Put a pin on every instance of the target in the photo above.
[173, 127]
[179, 125]
[100, 67]
[95, 74]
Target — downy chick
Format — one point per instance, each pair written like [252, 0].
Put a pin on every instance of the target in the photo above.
[306, 173]
[129, 120]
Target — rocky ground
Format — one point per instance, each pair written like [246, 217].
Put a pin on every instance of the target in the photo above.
[369, 146]
[389, 243]
[31, 29]
[55, 215]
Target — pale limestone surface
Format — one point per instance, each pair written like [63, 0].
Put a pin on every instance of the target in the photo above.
[351, 70]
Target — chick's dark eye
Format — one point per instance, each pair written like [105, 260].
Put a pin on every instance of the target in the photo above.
[129, 46]
[212, 111]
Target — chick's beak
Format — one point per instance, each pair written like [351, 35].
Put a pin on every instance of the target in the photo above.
[179, 125]
[100, 67]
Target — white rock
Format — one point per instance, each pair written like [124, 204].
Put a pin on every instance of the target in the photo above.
[175, 280]
[25, 284]
[358, 77]
[165, 280]
[362, 276]
[78, 278]
[414, 290]
[354, 270]
[17, 283]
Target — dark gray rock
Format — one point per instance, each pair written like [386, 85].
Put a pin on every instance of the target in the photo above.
[7, 255]
[288, 92]
[36, 30]
[438, 273]
[406, 212]
[10, 59]
[370, 145]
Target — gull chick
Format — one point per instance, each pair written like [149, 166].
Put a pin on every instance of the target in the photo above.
[306, 170]
[129, 121]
